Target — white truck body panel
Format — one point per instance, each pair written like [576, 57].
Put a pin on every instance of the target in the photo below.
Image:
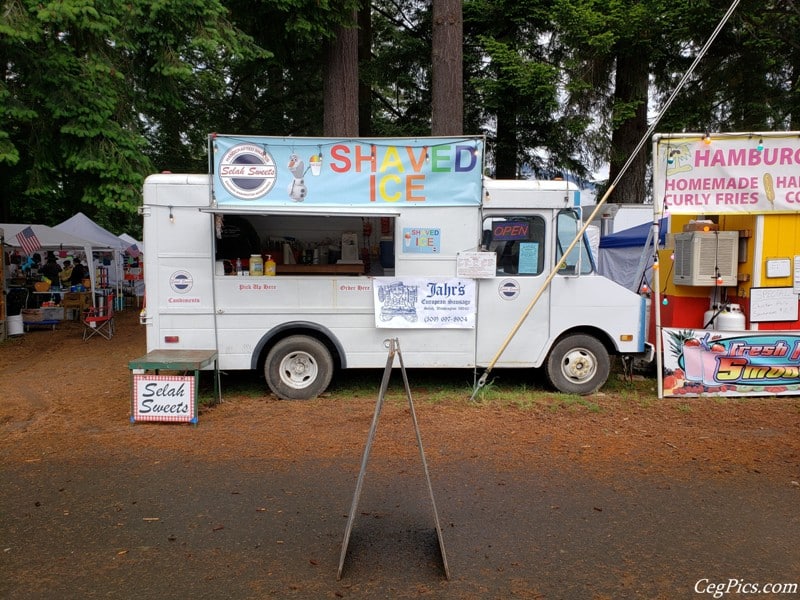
[190, 306]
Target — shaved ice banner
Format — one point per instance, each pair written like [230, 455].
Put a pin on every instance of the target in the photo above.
[371, 173]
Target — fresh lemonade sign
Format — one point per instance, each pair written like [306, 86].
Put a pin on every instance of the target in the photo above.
[701, 362]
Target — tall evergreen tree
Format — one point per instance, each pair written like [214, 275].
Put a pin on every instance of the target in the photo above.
[281, 92]
[97, 94]
[340, 89]
[447, 64]
[84, 83]
[399, 70]
[607, 48]
[517, 86]
[750, 78]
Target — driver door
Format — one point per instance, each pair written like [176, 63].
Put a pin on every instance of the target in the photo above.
[521, 244]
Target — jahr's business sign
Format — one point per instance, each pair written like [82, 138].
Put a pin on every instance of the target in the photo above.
[727, 173]
[364, 173]
[424, 303]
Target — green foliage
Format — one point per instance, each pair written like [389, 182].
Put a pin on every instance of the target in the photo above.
[97, 94]
[516, 83]
[398, 72]
[748, 81]
[85, 81]
[573, 402]
[598, 42]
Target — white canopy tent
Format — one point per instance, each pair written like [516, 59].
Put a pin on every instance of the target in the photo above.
[53, 239]
[135, 286]
[130, 241]
[82, 226]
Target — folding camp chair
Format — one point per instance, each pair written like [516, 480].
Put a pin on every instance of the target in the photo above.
[100, 319]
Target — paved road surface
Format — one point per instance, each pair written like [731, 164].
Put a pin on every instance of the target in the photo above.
[137, 524]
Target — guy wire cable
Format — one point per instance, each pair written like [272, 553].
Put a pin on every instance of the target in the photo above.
[602, 201]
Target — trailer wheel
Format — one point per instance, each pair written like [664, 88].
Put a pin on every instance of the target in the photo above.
[298, 368]
[578, 364]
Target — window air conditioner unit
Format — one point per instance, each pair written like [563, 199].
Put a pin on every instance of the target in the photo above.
[702, 256]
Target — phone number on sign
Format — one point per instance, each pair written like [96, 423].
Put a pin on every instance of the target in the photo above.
[450, 319]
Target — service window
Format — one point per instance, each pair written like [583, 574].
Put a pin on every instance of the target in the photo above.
[518, 243]
[314, 244]
[578, 260]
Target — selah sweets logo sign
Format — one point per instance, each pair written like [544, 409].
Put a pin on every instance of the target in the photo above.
[168, 398]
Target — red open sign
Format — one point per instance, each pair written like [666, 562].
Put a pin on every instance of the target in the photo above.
[511, 230]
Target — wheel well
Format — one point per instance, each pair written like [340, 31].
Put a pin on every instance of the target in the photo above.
[314, 330]
[600, 335]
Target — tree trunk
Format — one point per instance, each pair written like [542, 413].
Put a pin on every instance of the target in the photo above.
[505, 150]
[340, 84]
[364, 57]
[447, 80]
[630, 95]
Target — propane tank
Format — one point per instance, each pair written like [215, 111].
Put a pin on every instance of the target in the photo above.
[710, 314]
[730, 319]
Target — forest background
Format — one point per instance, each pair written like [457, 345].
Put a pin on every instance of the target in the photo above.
[97, 94]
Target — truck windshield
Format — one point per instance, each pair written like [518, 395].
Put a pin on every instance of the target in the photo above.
[578, 260]
[518, 242]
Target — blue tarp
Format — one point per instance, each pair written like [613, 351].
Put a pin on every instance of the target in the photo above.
[633, 237]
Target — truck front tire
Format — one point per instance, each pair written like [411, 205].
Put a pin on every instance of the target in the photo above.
[298, 368]
[578, 364]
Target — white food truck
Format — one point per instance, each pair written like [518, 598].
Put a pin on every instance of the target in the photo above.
[363, 240]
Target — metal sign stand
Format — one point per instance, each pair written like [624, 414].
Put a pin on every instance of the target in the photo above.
[394, 349]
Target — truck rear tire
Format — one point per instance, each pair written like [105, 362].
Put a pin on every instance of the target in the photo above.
[578, 364]
[298, 368]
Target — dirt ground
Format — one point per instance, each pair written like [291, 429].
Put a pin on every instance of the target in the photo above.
[621, 496]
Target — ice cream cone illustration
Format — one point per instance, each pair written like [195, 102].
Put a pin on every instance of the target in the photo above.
[769, 188]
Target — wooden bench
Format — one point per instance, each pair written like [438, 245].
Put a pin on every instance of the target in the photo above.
[174, 360]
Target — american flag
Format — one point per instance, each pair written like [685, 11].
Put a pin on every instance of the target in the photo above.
[28, 240]
[133, 250]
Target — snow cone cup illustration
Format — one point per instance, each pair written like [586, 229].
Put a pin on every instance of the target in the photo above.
[315, 162]
[693, 360]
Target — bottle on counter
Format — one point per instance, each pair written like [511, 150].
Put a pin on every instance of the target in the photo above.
[256, 265]
[269, 267]
[239, 266]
